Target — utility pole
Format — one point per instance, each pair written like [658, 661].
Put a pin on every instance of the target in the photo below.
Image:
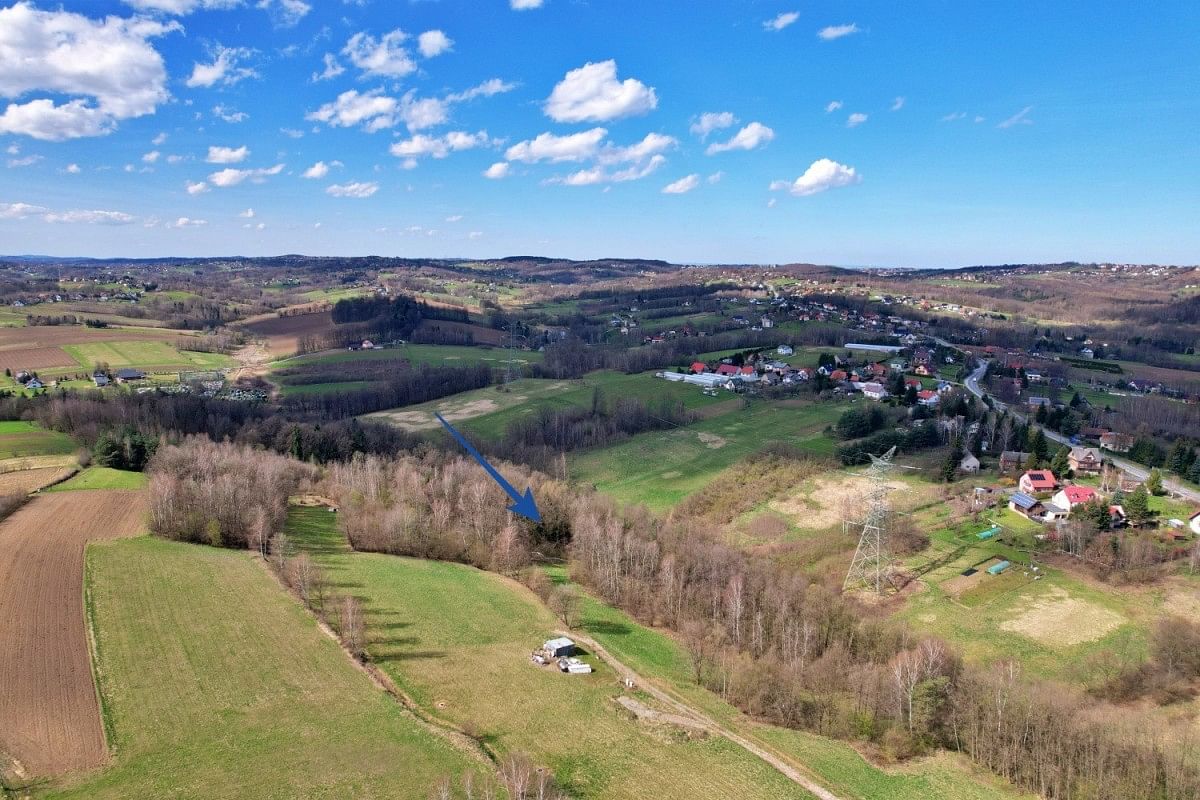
[872, 562]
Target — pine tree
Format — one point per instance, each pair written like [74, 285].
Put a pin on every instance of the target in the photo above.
[1137, 506]
[1061, 464]
[1154, 483]
[1181, 456]
[950, 466]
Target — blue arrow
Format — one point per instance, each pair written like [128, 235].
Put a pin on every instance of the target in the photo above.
[522, 504]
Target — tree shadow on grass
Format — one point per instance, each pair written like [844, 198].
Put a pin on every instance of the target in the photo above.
[606, 627]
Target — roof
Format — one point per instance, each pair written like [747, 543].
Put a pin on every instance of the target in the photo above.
[1014, 455]
[727, 369]
[1085, 452]
[562, 641]
[1078, 494]
[1022, 500]
[1040, 478]
[926, 394]
[838, 375]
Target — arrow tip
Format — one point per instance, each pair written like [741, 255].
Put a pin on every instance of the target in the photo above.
[526, 507]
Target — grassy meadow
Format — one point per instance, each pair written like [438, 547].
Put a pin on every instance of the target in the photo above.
[216, 684]
[102, 478]
[20, 439]
[458, 641]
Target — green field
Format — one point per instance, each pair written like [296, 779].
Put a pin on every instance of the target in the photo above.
[488, 412]
[835, 764]
[102, 478]
[146, 355]
[24, 439]
[458, 641]
[440, 355]
[216, 684]
[661, 468]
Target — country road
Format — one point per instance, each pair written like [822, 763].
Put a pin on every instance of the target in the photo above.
[1136, 470]
[793, 770]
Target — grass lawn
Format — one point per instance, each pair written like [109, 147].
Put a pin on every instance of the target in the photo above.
[102, 478]
[661, 468]
[146, 355]
[320, 388]
[458, 640]
[835, 764]
[440, 355]
[216, 684]
[24, 439]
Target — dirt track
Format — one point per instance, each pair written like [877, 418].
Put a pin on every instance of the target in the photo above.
[49, 717]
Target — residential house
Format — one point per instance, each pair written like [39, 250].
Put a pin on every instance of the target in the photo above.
[1036, 402]
[1038, 480]
[1026, 504]
[913, 382]
[1070, 496]
[923, 370]
[838, 375]
[1084, 460]
[874, 391]
[785, 350]
[100, 379]
[1087, 352]
[33, 383]
[1116, 442]
[928, 397]
[1033, 377]
[727, 369]
[126, 375]
[969, 464]
[1013, 460]
[698, 367]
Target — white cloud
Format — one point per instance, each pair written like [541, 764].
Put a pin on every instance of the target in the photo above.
[352, 189]
[954, 116]
[475, 235]
[434, 43]
[833, 106]
[232, 177]
[27, 161]
[13, 149]
[158, 140]
[187, 222]
[373, 110]
[711, 121]
[385, 56]
[597, 174]
[320, 169]
[651, 145]
[831, 32]
[174, 159]
[593, 93]
[525, 5]
[979, 118]
[748, 138]
[821, 175]
[180, 7]
[438, 146]
[292, 133]
[107, 67]
[72, 169]
[897, 104]
[420, 113]
[247, 214]
[151, 157]
[454, 218]
[333, 68]
[683, 185]
[715, 177]
[91, 217]
[497, 171]
[781, 21]
[20, 210]
[230, 115]
[1019, 118]
[196, 188]
[855, 119]
[227, 155]
[224, 68]
[286, 13]
[771, 202]
[488, 88]
[580, 146]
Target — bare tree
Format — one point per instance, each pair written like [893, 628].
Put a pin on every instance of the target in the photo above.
[564, 601]
[352, 628]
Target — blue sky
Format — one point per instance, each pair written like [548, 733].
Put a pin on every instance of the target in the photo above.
[914, 134]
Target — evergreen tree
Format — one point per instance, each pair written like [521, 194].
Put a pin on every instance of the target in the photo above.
[910, 396]
[950, 465]
[1154, 483]
[1181, 457]
[1137, 506]
[1060, 465]
[1038, 448]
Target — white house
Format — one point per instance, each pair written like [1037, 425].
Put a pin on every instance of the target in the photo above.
[969, 464]
[875, 391]
[785, 350]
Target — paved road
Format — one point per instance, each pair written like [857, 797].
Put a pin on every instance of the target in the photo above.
[1136, 470]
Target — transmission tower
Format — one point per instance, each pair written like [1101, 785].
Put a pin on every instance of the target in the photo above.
[872, 563]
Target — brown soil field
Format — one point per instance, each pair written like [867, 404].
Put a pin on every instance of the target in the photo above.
[49, 716]
[40, 347]
[30, 480]
[1058, 619]
[282, 334]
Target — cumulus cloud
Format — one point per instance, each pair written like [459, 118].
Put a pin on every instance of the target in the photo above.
[831, 32]
[286, 13]
[108, 68]
[597, 174]
[159, 139]
[781, 21]
[438, 146]
[833, 106]
[72, 169]
[897, 104]
[525, 5]
[333, 68]
[386, 56]
[592, 93]
[497, 171]
[94, 217]
[651, 145]
[229, 115]
[1019, 118]
[711, 121]
[954, 116]
[821, 175]
[748, 138]
[320, 169]
[488, 88]
[715, 177]
[227, 155]
[151, 157]
[580, 146]
[247, 214]
[355, 189]
[225, 68]
[199, 187]
[26, 161]
[683, 185]
[855, 119]
[180, 7]
[20, 210]
[187, 222]
[434, 43]
[373, 110]
[232, 177]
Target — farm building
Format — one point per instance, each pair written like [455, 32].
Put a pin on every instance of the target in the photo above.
[126, 375]
[969, 464]
[562, 647]
[874, 348]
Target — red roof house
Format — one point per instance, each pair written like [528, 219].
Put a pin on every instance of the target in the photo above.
[1038, 480]
[1072, 496]
[748, 370]
[838, 375]
[727, 369]
[698, 367]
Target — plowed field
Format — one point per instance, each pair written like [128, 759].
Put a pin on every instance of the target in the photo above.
[49, 717]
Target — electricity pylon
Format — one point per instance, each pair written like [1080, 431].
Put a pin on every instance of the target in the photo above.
[872, 562]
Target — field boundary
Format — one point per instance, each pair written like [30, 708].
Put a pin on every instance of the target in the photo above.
[98, 678]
